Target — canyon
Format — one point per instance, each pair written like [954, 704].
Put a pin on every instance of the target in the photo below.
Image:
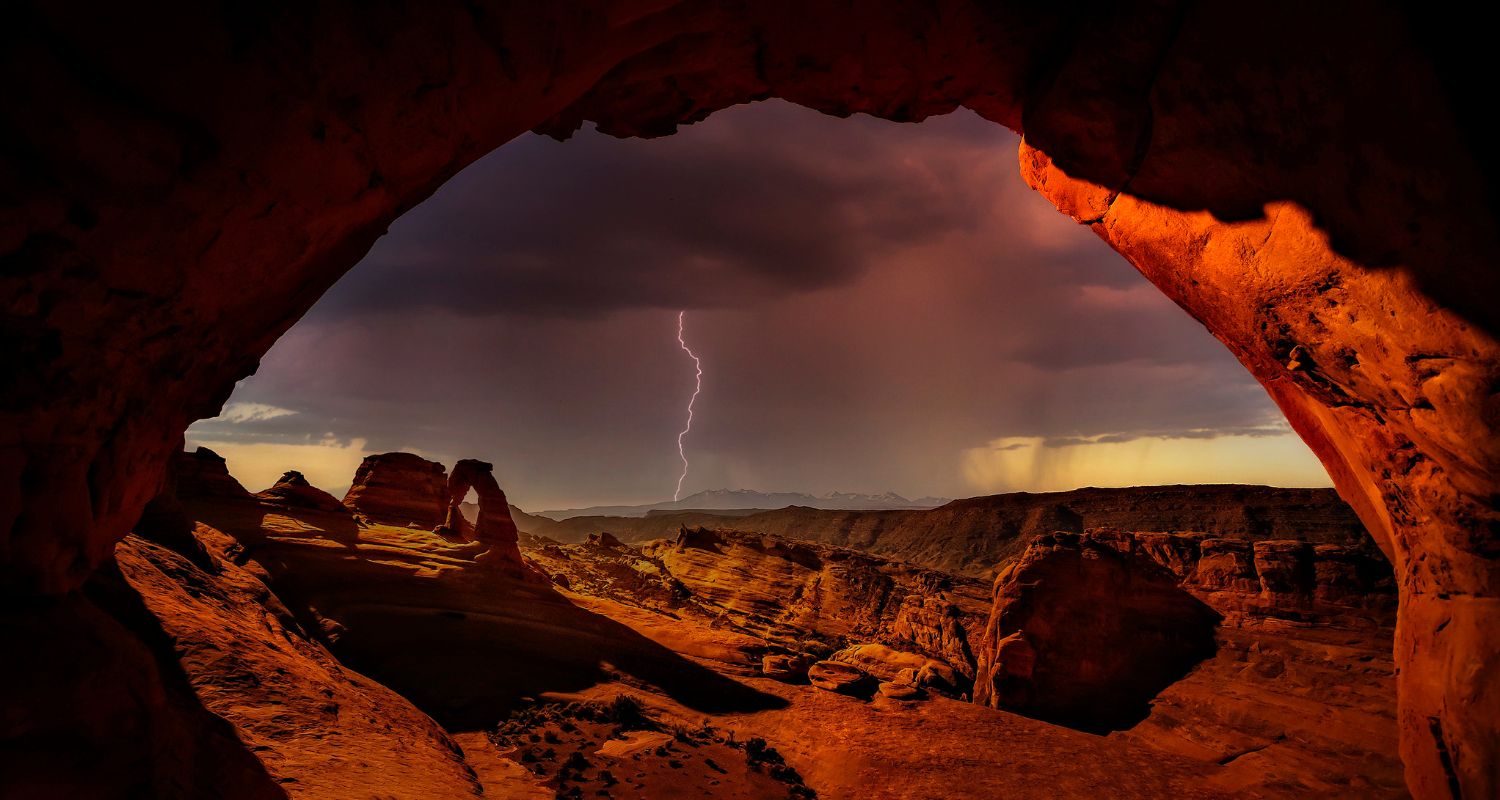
[698, 664]
[972, 536]
[1309, 181]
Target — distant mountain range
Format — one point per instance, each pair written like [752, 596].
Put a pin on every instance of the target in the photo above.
[750, 500]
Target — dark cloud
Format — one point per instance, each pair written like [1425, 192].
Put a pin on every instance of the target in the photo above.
[871, 300]
[734, 214]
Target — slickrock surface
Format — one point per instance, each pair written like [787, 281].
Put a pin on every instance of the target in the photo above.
[625, 749]
[320, 729]
[400, 489]
[975, 535]
[98, 674]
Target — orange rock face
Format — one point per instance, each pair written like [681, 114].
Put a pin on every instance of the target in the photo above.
[786, 590]
[1087, 634]
[319, 728]
[1306, 179]
[400, 489]
[418, 611]
[1301, 636]
[493, 524]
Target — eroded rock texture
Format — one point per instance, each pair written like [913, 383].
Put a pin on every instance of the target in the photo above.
[319, 728]
[974, 535]
[784, 590]
[1087, 634]
[492, 524]
[97, 706]
[1295, 673]
[400, 489]
[1306, 179]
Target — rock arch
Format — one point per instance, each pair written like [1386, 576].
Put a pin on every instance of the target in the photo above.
[493, 524]
[180, 186]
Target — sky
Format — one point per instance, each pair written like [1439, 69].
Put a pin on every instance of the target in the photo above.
[878, 307]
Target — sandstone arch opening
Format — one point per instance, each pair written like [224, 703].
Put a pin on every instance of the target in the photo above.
[1363, 317]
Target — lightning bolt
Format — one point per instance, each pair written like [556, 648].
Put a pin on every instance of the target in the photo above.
[697, 387]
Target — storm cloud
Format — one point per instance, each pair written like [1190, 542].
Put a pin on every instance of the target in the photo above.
[879, 306]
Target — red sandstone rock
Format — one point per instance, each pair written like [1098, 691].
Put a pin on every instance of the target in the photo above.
[1244, 161]
[313, 724]
[605, 539]
[887, 664]
[493, 524]
[1297, 619]
[203, 473]
[899, 690]
[785, 589]
[783, 667]
[294, 490]
[400, 489]
[1086, 633]
[973, 536]
[834, 676]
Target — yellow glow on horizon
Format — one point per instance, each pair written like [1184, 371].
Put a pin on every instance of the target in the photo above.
[328, 464]
[1026, 464]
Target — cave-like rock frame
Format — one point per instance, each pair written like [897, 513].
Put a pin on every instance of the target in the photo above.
[180, 184]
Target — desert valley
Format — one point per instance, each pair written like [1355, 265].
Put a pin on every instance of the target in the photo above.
[1188, 641]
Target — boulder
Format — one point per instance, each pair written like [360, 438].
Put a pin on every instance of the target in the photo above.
[900, 690]
[889, 664]
[605, 539]
[835, 676]
[1086, 630]
[782, 667]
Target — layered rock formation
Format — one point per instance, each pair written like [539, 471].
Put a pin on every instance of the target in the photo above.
[785, 590]
[1243, 158]
[1086, 633]
[294, 490]
[973, 536]
[400, 489]
[804, 601]
[1297, 671]
[418, 611]
[1094, 587]
[837, 676]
